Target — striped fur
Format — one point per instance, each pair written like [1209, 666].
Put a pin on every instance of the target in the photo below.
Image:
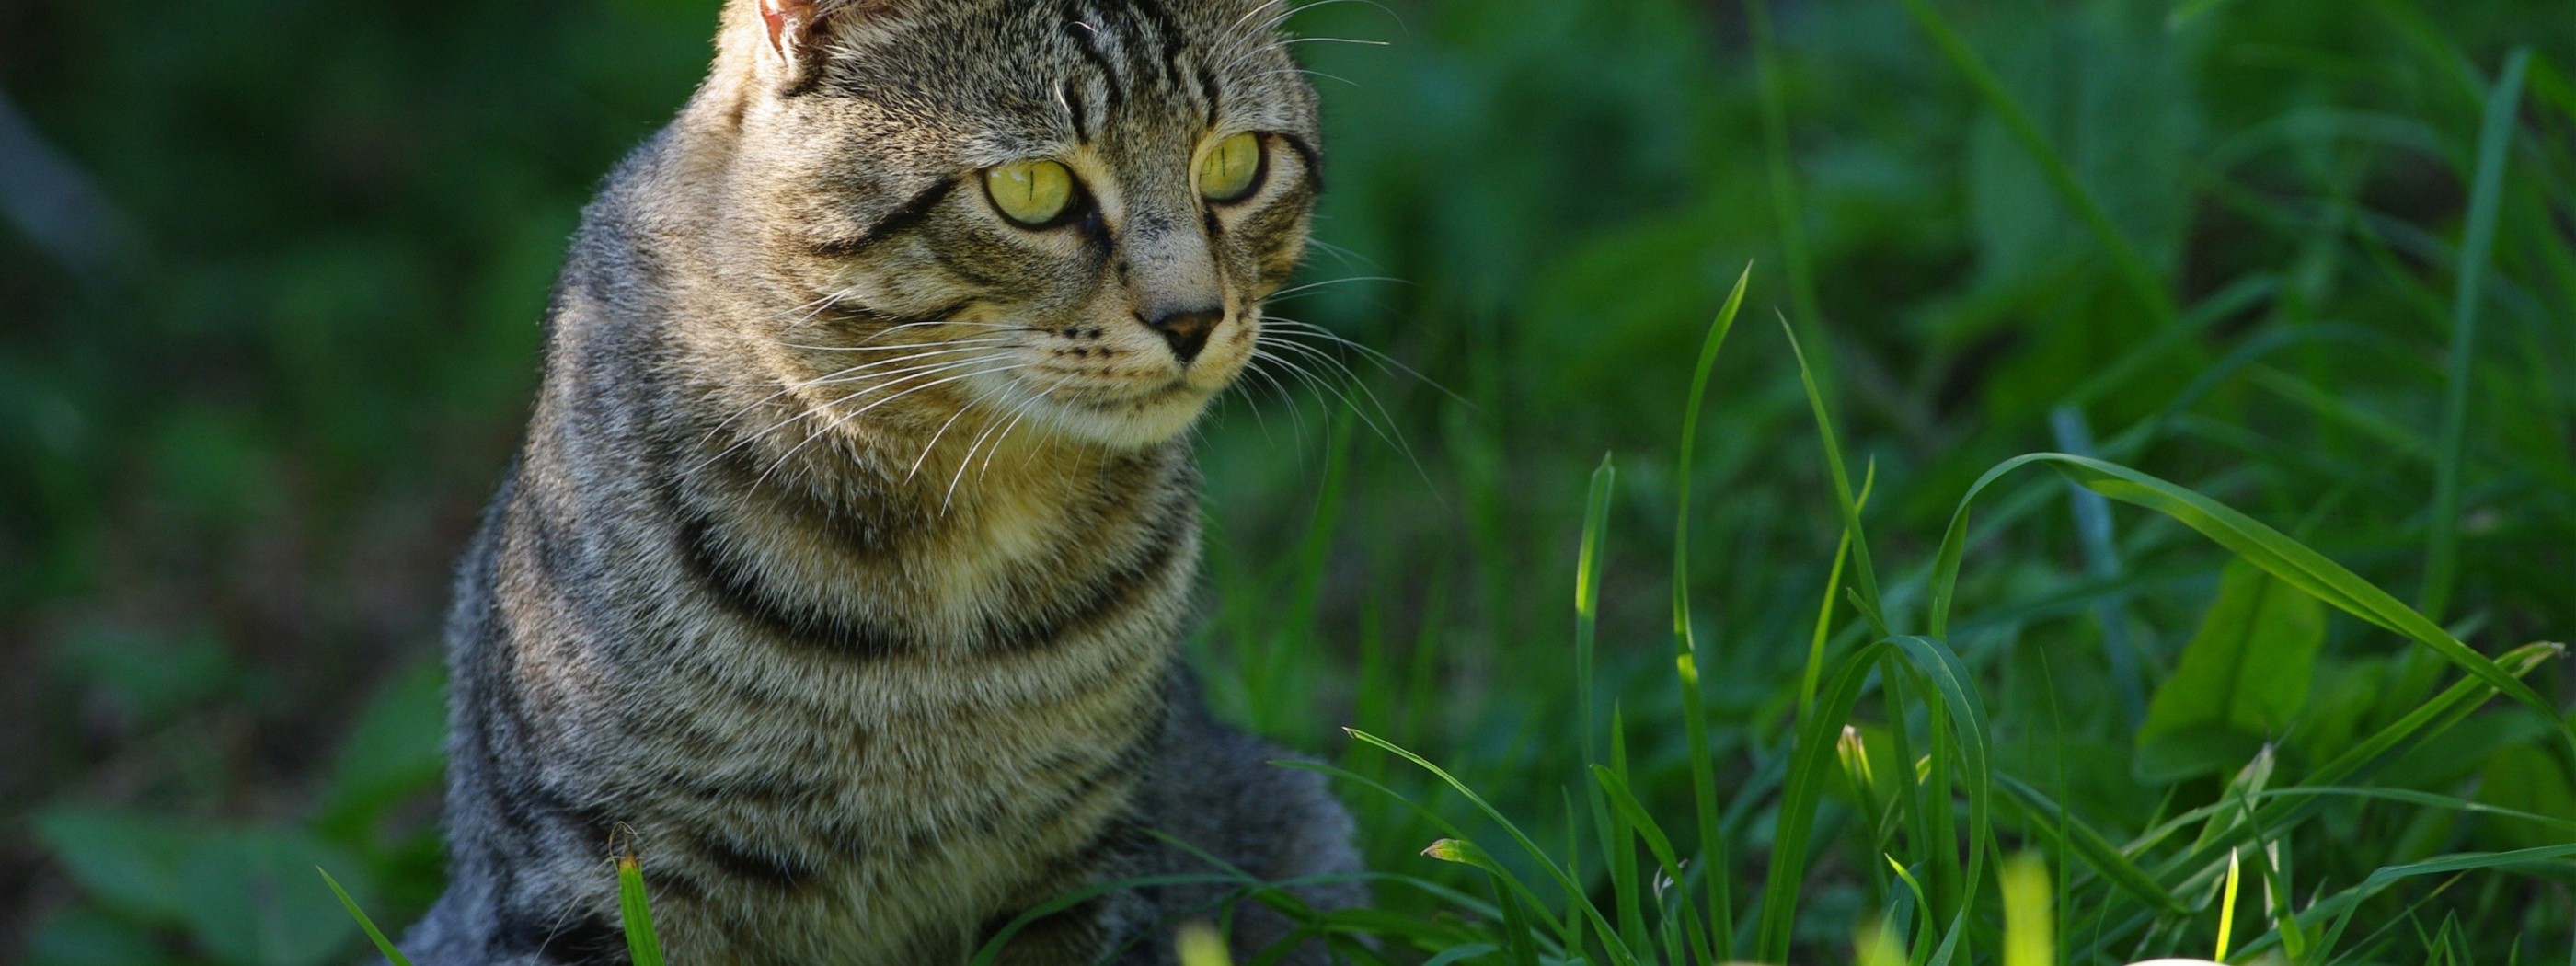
[865, 663]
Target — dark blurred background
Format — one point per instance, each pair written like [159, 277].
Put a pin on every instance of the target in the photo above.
[272, 270]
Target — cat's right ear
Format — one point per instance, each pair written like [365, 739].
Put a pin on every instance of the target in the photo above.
[799, 32]
[790, 23]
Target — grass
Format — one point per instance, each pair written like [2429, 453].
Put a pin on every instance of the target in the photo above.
[2116, 890]
[2131, 526]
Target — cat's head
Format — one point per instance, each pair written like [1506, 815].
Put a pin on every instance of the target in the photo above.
[1063, 212]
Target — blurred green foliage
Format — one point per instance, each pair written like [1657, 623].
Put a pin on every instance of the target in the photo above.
[245, 425]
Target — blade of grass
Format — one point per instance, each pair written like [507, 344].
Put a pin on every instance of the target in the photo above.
[1615, 788]
[1923, 908]
[1632, 917]
[2340, 907]
[1958, 732]
[2227, 908]
[1712, 848]
[1825, 608]
[2082, 841]
[2258, 544]
[1813, 764]
[2029, 928]
[374, 935]
[2102, 560]
[2433, 717]
[1865, 576]
[2495, 135]
[1618, 951]
[2141, 278]
[1515, 896]
[643, 946]
[1587, 593]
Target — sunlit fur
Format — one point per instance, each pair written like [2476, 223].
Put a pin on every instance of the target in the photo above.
[856, 524]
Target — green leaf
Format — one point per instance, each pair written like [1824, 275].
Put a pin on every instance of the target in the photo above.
[85, 935]
[133, 863]
[2527, 778]
[2242, 678]
[2495, 137]
[397, 749]
[241, 892]
[2250, 540]
[251, 899]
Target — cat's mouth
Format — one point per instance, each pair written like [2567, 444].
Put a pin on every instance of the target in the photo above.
[1136, 415]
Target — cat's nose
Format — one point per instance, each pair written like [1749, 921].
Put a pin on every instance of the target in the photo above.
[1186, 329]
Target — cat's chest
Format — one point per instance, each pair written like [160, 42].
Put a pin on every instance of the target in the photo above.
[904, 835]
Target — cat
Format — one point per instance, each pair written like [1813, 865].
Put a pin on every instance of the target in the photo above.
[839, 577]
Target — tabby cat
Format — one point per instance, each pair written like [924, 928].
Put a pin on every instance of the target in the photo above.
[840, 573]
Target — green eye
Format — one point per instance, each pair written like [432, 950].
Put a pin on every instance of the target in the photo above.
[1032, 193]
[1230, 168]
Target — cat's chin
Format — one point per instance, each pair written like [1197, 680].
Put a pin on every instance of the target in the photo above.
[1138, 423]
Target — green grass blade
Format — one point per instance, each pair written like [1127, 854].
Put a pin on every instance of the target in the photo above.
[2102, 560]
[1811, 767]
[1959, 731]
[2029, 927]
[642, 944]
[1825, 608]
[1923, 911]
[2133, 267]
[991, 951]
[2495, 136]
[1632, 917]
[1658, 845]
[1419, 810]
[377, 936]
[2097, 852]
[1517, 899]
[2340, 907]
[1587, 593]
[1864, 575]
[2250, 539]
[1619, 952]
[1703, 767]
[1960, 723]
[1716, 338]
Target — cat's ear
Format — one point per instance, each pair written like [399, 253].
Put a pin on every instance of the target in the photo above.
[799, 30]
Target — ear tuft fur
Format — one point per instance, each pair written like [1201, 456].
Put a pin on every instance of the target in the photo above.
[799, 31]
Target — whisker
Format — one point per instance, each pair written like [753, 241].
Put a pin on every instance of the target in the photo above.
[889, 381]
[943, 431]
[846, 375]
[1017, 413]
[1385, 363]
[1317, 74]
[891, 348]
[1346, 255]
[1391, 433]
[783, 458]
[1311, 286]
